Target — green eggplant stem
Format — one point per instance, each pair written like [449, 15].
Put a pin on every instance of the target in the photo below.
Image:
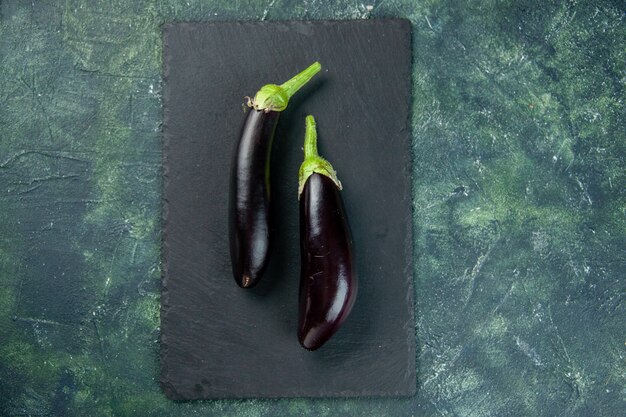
[272, 97]
[313, 163]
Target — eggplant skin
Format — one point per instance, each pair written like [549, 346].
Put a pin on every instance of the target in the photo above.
[250, 223]
[328, 279]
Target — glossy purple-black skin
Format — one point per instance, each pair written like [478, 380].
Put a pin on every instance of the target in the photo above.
[328, 280]
[250, 229]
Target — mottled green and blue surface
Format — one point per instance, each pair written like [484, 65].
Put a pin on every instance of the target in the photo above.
[519, 199]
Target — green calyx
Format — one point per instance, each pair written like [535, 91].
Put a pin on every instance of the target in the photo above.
[272, 97]
[313, 163]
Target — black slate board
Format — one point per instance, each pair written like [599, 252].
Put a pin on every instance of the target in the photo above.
[219, 341]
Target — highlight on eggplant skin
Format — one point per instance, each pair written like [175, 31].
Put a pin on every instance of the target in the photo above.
[249, 211]
[328, 279]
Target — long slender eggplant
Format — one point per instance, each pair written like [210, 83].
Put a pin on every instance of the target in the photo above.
[250, 230]
[328, 279]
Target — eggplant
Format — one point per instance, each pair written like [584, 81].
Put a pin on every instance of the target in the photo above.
[250, 224]
[328, 278]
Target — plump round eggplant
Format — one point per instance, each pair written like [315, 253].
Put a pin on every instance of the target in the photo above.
[328, 279]
[250, 230]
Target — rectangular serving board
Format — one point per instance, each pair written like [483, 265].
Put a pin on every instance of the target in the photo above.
[220, 341]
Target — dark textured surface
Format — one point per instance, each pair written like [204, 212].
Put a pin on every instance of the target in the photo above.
[519, 145]
[220, 341]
